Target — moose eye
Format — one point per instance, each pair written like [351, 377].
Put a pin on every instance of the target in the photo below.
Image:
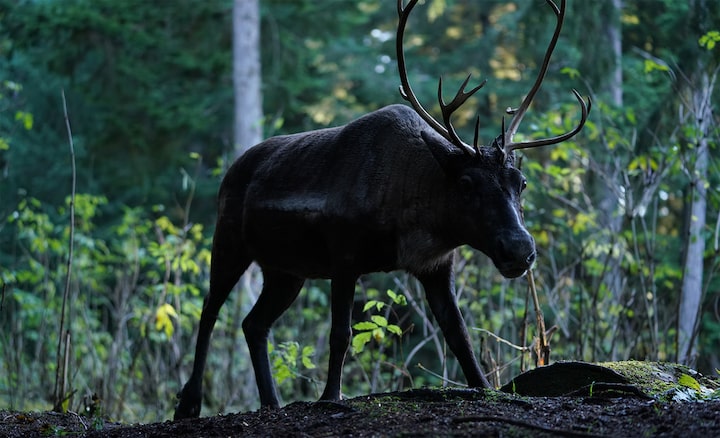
[466, 184]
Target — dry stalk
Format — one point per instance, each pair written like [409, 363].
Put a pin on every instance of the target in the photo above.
[61, 371]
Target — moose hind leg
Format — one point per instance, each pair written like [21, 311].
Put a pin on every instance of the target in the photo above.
[342, 298]
[227, 265]
[279, 291]
[440, 294]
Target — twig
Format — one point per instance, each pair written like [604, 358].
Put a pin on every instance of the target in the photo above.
[499, 339]
[543, 346]
[443, 378]
[60, 377]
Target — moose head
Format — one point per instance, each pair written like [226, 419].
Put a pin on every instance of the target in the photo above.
[392, 190]
[513, 249]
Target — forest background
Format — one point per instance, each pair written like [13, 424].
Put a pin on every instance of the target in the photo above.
[626, 215]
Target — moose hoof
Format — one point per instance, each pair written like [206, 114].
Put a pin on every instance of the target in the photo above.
[186, 408]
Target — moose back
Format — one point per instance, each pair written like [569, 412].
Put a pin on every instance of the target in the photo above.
[394, 189]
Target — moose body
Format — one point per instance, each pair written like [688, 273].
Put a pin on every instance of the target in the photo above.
[391, 190]
[367, 197]
[379, 194]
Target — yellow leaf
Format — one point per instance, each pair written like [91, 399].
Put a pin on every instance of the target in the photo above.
[688, 382]
[66, 405]
[378, 335]
[559, 153]
[166, 225]
[542, 238]
[163, 321]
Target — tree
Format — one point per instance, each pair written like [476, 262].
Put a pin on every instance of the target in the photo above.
[146, 84]
[246, 74]
[698, 115]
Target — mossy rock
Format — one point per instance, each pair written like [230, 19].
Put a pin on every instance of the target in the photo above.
[667, 381]
[652, 380]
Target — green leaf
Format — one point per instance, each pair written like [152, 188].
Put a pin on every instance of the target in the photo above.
[709, 39]
[25, 118]
[373, 303]
[282, 372]
[398, 299]
[379, 320]
[308, 352]
[571, 72]
[630, 115]
[392, 328]
[651, 65]
[359, 341]
[308, 363]
[365, 325]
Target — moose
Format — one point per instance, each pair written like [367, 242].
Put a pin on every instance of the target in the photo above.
[392, 190]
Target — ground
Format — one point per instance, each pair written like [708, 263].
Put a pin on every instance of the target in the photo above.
[600, 409]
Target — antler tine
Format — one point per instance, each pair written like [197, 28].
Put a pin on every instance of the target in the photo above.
[447, 109]
[519, 113]
[407, 93]
[476, 137]
[585, 108]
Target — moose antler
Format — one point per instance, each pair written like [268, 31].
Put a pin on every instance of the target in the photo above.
[447, 131]
[519, 113]
[504, 141]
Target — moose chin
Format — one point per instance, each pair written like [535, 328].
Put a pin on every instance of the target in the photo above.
[392, 190]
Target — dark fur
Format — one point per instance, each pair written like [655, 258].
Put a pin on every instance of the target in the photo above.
[379, 194]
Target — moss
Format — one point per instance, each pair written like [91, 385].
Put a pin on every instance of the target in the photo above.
[666, 381]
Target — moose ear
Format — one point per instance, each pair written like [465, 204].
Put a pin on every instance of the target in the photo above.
[450, 158]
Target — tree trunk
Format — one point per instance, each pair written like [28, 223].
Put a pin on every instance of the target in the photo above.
[692, 282]
[611, 217]
[614, 35]
[246, 74]
[247, 133]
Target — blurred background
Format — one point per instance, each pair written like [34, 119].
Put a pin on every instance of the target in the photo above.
[626, 215]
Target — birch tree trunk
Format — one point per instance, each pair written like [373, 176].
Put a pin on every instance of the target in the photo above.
[247, 133]
[611, 217]
[614, 35]
[692, 282]
[246, 74]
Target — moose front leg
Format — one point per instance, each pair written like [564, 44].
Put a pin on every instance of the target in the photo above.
[342, 299]
[440, 294]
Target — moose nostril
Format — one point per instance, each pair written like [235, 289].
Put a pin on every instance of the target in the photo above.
[531, 258]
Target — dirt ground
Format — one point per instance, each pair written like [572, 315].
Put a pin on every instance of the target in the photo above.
[621, 399]
[421, 412]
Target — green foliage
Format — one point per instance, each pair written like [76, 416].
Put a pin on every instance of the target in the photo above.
[160, 98]
[149, 93]
[125, 300]
[287, 358]
[709, 39]
[377, 327]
